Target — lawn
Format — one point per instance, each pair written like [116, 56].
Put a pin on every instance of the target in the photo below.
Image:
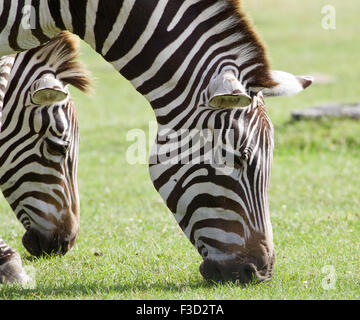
[130, 246]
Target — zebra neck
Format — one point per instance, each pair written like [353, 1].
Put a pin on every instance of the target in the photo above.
[170, 50]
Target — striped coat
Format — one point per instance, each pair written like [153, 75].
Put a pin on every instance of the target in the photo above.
[203, 68]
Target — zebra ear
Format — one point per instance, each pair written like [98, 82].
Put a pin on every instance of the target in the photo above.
[226, 91]
[287, 84]
[48, 90]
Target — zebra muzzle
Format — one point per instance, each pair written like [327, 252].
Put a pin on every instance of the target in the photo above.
[234, 271]
[39, 244]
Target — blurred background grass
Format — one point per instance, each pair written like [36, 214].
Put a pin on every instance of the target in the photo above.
[129, 244]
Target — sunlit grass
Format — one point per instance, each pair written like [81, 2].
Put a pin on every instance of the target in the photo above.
[130, 247]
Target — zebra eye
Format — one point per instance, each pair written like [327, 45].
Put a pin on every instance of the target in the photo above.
[244, 157]
[241, 160]
[57, 147]
[204, 252]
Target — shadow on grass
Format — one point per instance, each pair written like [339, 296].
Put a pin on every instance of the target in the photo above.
[98, 289]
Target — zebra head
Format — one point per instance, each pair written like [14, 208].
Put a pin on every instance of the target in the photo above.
[39, 144]
[235, 237]
[214, 178]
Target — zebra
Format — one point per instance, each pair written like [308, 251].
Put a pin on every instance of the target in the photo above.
[39, 149]
[202, 66]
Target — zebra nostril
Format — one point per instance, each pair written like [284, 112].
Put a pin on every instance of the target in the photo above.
[247, 273]
[65, 247]
[210, 271]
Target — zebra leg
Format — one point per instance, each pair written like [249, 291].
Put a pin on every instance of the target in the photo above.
[11, 269]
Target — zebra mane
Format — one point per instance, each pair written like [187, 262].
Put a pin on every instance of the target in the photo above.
[61, 53]
[262, 75]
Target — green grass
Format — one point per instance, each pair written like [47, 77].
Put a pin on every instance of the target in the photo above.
[130, 247]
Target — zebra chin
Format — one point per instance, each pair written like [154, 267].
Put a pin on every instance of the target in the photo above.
[254, 267]
[236, 270]
[39, 244]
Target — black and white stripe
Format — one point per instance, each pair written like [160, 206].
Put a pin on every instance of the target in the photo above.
[193, 60]
[39, 143]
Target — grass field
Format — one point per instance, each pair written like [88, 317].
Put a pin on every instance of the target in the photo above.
[130, 247]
